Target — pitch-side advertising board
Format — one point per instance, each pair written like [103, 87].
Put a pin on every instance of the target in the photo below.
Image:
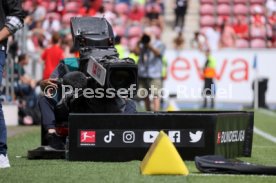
[235, 72]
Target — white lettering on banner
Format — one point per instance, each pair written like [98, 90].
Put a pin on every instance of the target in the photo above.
[181, 69]
[234, 70]
[230, 136]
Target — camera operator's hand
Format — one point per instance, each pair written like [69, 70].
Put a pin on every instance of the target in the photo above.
[155, 51]
[48, 82]
[48, 86]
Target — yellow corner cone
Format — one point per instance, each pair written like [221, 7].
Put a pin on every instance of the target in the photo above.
[163, 158]
[172, 107]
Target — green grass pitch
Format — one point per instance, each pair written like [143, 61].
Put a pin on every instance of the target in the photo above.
[23, 170]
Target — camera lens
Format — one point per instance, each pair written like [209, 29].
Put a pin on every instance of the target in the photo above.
[145, 39]
[120, 78]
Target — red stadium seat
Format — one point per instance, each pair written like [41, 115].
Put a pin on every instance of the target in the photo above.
[241, 1]
[258, 43]
[207, 1]
[222, 19]
[223, 1]
[45, 4]
[242, 43]
[207, 21]
[257, 9]
[257, 1]
[243, 17]
[240, 9]
[258, 32]
[224, 9]
[52, 6]
[207, 9]
[72, 7]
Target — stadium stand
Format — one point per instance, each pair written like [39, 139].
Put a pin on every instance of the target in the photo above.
[258, 14]
[128, 19]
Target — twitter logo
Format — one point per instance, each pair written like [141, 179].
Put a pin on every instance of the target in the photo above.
[195, 137]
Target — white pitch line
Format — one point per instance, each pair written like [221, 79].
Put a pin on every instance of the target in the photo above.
[265, 135]
[226, 175]
[265, 111]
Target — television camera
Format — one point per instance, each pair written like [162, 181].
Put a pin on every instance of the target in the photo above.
[99, 68]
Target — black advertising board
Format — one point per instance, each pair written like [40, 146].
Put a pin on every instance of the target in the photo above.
[123, 137]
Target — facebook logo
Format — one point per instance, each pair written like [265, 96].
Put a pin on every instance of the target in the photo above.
[174, 136]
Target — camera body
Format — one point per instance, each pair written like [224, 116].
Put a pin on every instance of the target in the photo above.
[93, 37]
[145, 40]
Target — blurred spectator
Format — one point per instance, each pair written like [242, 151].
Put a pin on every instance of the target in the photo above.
[151, 51]
[137, 13]
[52, 56]
[120, 48]
[228, 36]
[179, 42]
[180, 12]
[90, 8]
[29, 43]
[241, 28]
[273, 39]
[161, 5]
[65, 30]
[21, 36]
[261, 32]
[140, 2]
[109, 15]
[153, 15]
[272, 19]
[19, 71]
[271, 6]
[209, 73]
[122, 11]
[199, 42]
[40, 36]
[213, 37]
[51, 24]
[124, 1]
[39, 12]
[258, 19]
[24, 85]
[67, 46]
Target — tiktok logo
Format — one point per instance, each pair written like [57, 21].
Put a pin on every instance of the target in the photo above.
[108, 138]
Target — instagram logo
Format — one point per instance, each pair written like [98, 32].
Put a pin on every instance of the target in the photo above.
[128, 137]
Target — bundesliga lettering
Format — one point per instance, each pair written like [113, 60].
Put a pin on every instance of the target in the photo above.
[231, 136]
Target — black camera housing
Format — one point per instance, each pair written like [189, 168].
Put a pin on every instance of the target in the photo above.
[91, 32]
[94, 38]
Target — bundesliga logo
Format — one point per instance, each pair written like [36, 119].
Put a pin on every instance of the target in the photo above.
[87, 137]
[230, 136]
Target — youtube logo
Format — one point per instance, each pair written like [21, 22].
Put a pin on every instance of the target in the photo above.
[150, 136]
